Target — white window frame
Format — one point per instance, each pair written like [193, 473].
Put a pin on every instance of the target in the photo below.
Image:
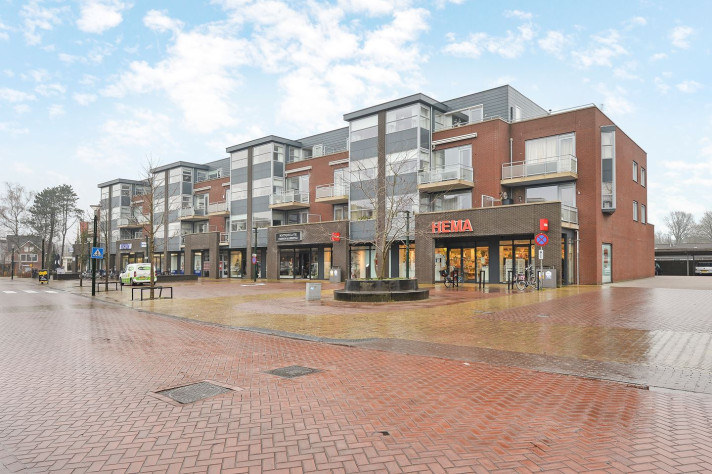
[635, 171]
[635, 211]
[642, 176]
[642, 214]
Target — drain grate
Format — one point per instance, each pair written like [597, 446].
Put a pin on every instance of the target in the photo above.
[194, 392]
[292, 371]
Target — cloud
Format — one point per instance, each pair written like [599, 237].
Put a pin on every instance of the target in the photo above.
[376, 8]
[510, 46]
[68, 58]
[21, 108]
[614, 100]
[635, 21]
[36, 18]
[554, 43]
[158, 21]
[56, 110]
[679, 36]
[50, 90]
[518, 14]
[13, 129]
[661, 85]
[3, 31]
[689, 87]
[440, 4]
[84, 99]
[604, 48]
[626, 71]
[97, 16]
[14, 96]
[658, 56]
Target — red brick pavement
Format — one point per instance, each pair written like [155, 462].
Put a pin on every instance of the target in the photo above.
[76, 378]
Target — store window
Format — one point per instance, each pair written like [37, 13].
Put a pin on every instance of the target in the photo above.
[363, 262]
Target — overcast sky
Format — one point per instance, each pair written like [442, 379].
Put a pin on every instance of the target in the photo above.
[89, 89]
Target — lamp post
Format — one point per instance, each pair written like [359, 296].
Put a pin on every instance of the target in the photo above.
[254, 256]
[407, 244]
[12, 264]
[93, 260]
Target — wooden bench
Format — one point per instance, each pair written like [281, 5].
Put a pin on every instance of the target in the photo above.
[115, 283]
[155, 288]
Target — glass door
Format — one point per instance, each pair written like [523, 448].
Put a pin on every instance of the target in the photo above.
[440, 262]
[482, 260]
[469, 264]
[607, 263]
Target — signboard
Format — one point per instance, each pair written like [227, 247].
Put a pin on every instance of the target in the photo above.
[541, 239]
[124, 246]
[43, 276]
[544, 225]
[295, 236]
[445, 227]
[143, 244]
[254, 259]
[541, 254]
[97, 253]
[336, 236]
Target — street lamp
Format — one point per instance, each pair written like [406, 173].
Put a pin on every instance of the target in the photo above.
[93, 260]
[407, 244]
[12, 264]
[254, 256]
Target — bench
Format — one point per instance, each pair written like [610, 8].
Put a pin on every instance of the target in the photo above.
[115, 283]
[148, 288]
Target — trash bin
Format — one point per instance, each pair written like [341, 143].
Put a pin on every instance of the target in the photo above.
[313, 291]
[548, 278]
[335, 275]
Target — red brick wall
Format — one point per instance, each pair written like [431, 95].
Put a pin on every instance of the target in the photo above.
[320, 173]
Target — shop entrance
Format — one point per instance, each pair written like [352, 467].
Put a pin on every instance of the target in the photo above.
[470, 262]
[301, 262]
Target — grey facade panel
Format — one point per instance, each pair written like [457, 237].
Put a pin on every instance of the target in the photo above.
[364, 149]
[260, 203]
[174, 189]
[238, 239]
[407, 183]
[528, 107]
[495, 102]
[125, 201]
[607, 170]
[173, 216]
[335, 139]
[363, 190]
[278, 168]
[187, 188]
[239, 175]
[362, 231]
[223, 164]
[424, 138]
[262, 170]
[402, 141]
[238, 207]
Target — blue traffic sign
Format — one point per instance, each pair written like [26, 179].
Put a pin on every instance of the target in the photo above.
[97, 252]
[541, 239]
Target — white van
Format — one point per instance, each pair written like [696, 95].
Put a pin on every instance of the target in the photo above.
[136, 273]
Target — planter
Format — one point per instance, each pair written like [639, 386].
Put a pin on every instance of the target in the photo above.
[379, 291]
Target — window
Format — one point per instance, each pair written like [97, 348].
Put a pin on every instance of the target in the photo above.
[408, 117]
[461, 156]
[458, 118]
[566, 193]
[544, 149]
[642, 177]
[238, 225]
[635, 171]
[642, 213]
[364, 128]
[635, 211]
[608, 165]
[187, 175]
[341, 212]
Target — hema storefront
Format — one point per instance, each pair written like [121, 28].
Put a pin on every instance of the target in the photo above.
[489, 243]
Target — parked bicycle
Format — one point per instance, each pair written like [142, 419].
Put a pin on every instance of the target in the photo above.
[528, 278]
[450, 279]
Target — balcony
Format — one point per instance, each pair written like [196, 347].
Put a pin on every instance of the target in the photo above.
[550, 170]
[569, 217]
[191, 213]
[332, 193]
[132, 222]
[289, 200]
[207, 229]
[448, 178]
[217, 208]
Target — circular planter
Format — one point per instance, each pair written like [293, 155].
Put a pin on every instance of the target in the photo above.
[379, 291]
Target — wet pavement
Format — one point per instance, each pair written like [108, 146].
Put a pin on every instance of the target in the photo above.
[78, 380]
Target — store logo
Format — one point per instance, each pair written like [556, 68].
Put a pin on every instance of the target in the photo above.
[445, 227]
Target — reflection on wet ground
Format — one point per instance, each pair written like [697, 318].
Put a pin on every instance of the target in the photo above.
[653, 336]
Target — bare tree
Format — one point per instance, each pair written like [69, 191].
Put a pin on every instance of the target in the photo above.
[704, 227]
[154, 205]
[663, 238]
[14, 207]
[680, 225]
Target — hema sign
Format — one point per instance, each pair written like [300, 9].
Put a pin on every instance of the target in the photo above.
[445, 227]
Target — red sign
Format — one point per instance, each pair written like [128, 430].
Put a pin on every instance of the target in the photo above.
[541, 239]
[336, 236]
[544, 225]
[446, 227]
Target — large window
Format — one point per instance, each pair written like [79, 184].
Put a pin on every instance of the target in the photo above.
[566, 193]
[364, 128]
[547, 148]
[452, 157]
[408, 117]
[608, 161]
[452, 201]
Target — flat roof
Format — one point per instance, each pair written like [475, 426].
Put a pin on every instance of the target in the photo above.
[119, 181]
[260, 141]
[403, 101]
[177, 164]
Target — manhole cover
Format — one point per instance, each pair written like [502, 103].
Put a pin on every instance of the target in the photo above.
[292, 371]
[194, 392]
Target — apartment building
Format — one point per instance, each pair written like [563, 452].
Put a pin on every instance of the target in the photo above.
[465, 183]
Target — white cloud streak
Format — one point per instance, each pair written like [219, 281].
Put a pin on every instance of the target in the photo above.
[97, 16]
[680, 35]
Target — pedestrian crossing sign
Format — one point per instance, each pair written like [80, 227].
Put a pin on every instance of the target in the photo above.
[97, 252]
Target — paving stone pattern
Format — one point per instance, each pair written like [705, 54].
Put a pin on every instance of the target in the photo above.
[76, 379]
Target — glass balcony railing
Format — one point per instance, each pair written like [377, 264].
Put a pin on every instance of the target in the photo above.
[191, 211]
[287, 197]
[326, 191]
[446, 173]
[218, 207]
[526, 169]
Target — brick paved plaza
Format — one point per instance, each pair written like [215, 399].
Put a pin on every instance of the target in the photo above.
[464, 382]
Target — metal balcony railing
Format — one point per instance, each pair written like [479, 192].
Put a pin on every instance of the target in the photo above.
[192, 211]
[332, 190]
[446, 173]
[289, 197]
[526, 169]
